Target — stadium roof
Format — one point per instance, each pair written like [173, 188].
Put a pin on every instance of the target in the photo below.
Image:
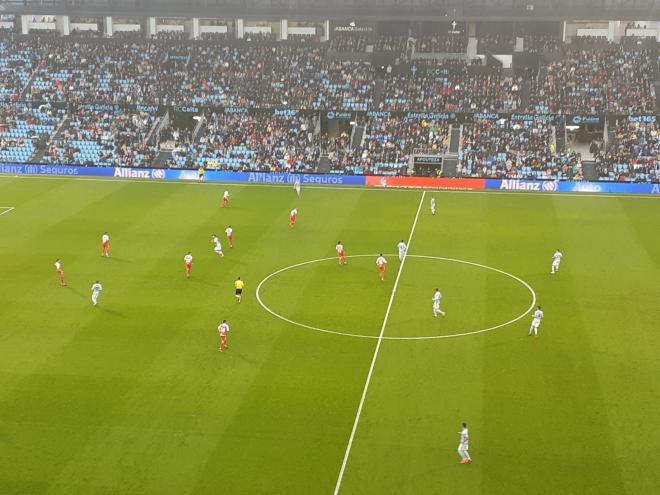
[357, 9]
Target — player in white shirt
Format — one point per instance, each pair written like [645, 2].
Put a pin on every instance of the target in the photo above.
[381, 262]
[536, 322]
[225, 199]
[437, 297]
[223, 330]
[463, 446]
[230, 236]
[340, 253]
[402, 249]
[556, 260]
[105, 245]
[188, 259]
[432, 205]
[217, 246]
[60, 272]
[296, 186]
[96, 290]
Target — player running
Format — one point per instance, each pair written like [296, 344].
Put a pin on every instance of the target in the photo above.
[223, 330]
[437, 297]
[293, 216]
[556, 260]
[463, 445]
[230, 236]
[217, 246]
[296, 186]
[402, 249]
[238, 287]
[225, 199]
[60, 272]
[105, 245]
[340, 253]
[432, 205]
[381, 262]
[96, 291]
[536, 322]
[188, 259]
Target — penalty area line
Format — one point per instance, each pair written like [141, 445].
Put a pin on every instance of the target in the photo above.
[351, 438]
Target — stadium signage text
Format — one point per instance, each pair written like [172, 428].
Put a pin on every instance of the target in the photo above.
[429, 159]
[649, 119]
[528, 117]
[285, 112]
[486, 116]
[339, 115]
[101, 107]
[438, 72]
[332, 179]
[139, 173]
[147, 108]
[379, 113]
[236, 110]
[430, 116]
[528, 185]
[585, 119]
[185, 109]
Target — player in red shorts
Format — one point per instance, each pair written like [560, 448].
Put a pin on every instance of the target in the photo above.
[225, 199]
[381, 262]
[188, 260]
[223, 330]
[340, 253]
[230, 236]
[60, 272]
[105, 245]
[293, 217]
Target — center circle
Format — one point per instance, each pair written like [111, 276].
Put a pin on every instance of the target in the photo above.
[462, 333]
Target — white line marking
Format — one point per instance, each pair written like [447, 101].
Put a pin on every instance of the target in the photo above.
[7, 209]
[538, 194]
[375, 356]
[427, 337]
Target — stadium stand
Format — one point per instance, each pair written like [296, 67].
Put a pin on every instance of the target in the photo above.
[633, 154]
[103, 137]
[257, 74]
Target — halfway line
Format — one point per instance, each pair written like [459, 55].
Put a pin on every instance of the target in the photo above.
[380, 340]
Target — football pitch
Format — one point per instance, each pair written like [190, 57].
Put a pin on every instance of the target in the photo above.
[335, 381]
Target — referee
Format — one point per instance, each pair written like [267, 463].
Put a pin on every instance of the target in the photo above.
[238, 285]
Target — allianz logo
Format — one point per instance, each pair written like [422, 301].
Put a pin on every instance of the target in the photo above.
[132, 173]
[528, 185]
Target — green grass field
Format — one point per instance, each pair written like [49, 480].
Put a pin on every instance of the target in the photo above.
[132, 397]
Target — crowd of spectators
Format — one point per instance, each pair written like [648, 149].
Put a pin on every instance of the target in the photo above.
[452, 86]
[268, 74]
[451, 42]
[541, 43]
[249, 142]
[612, 80]
[632, 155]
[390, 142]
[350, 43]
[103, 137]
[496, 43]
[24, 128]
[263, 74]
[514, 150]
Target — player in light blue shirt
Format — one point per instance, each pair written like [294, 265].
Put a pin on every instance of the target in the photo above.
[96, 291]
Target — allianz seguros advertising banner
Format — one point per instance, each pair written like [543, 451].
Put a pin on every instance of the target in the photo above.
[571, 186]
[330, 179]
